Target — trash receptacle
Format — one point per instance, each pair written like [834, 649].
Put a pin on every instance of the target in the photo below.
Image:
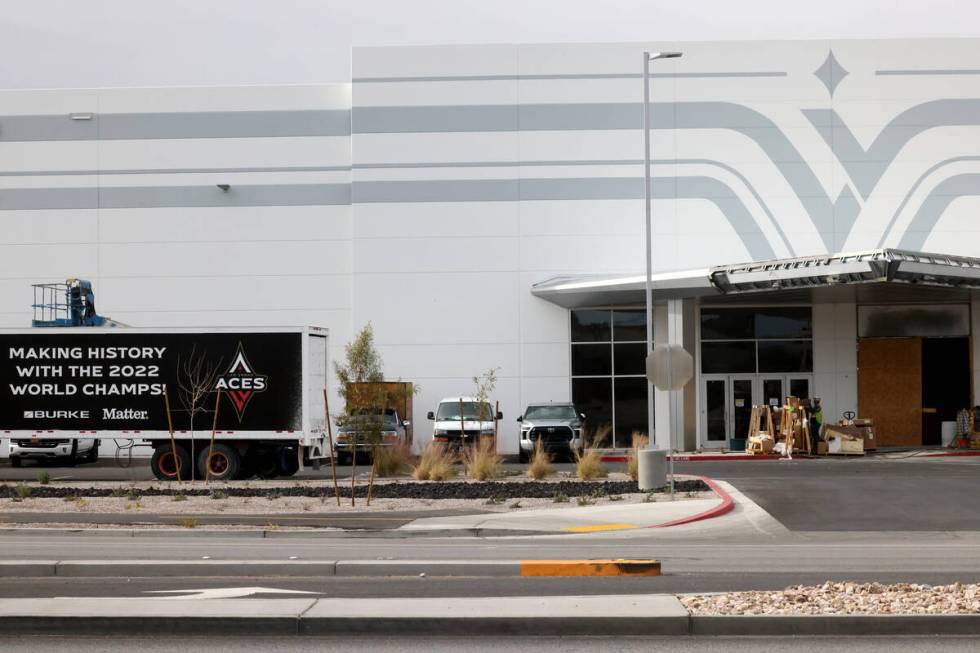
[651, 468]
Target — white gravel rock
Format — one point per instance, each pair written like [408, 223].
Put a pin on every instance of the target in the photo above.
[842, 598]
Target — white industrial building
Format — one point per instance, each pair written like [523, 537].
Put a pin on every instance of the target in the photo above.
[482, 206]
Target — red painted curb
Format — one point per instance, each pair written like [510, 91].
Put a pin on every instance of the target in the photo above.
[722, 457]
[950, 453]
[705, 458]
[726, 506]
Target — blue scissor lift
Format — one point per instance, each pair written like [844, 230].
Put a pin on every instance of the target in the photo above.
[68, 304]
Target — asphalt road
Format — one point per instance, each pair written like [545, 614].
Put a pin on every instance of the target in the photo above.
[869, 494]
[37, 644]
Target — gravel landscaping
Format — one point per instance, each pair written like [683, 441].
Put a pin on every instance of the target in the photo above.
[390, 489]
[842, 598]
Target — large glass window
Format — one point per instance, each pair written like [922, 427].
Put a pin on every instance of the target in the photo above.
[591, 360]
[728, 357]
[753, 340]
[785, 356]
[591, 326]
[609, 373]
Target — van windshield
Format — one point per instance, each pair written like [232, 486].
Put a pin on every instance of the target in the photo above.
[550, 412]
[472, 410]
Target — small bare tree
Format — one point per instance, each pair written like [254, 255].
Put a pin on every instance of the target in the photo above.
[361, 378]
[485, 384]
[196, 378]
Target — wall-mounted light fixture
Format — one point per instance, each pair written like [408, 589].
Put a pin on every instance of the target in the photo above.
[81, 116]
[224, 187]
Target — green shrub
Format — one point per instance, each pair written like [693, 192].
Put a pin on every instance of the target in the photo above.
[43, 477]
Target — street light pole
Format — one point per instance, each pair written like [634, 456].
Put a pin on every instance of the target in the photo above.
[647, 58]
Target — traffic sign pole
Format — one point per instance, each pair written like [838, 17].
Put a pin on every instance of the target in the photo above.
[669, 368]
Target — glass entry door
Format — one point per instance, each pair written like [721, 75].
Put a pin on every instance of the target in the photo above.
[727, 409]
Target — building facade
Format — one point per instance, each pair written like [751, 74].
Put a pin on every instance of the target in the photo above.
[482, 207]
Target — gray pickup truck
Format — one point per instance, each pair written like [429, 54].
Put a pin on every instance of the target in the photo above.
[557, 426]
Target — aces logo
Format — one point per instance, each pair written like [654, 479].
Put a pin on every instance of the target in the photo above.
[241, 382]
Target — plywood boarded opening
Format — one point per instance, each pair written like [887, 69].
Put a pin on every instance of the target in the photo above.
[890, 389]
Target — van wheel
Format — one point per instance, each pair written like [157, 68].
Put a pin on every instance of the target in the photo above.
[72, 459]
[165, 461]
[221, 464]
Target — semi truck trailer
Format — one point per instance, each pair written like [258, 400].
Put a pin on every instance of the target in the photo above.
[258, 393]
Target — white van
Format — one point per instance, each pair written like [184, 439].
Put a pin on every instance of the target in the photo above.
[463, 420]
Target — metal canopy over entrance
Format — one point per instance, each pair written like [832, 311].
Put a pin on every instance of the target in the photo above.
[829, 277]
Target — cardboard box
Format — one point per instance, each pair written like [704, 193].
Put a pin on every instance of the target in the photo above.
[821, 448]
[842, 444]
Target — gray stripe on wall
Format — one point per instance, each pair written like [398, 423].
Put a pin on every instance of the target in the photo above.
[419, 119]
[935, 71]
[934, 205]
[119, 197]
[598, 116]
[594, 188]
[495, 78]
[208, 124]
[169, 171]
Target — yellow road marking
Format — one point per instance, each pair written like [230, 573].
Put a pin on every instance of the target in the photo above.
[590, 568]
[594, 528]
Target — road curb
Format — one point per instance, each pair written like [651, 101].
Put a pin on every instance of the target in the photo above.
[321, 568]
[698, 458]
[727, 505]
[948, 454]
[845, 625]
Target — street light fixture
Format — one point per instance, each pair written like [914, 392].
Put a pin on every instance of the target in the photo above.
[647, 58]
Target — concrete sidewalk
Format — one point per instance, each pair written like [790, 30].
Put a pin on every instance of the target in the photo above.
[586, 519]
[650, 614]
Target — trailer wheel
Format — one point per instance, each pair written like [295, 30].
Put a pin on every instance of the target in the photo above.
[287, 461]
[266, 463]
[164, 463]
[246, 466]
[219, 465]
